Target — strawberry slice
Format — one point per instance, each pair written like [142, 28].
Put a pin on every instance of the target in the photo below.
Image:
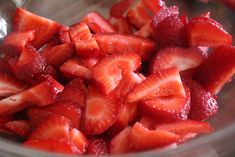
[108, 72]
[204, 31]
[63, 35]
[203, 103]
[148, 122]
[55, 127]
[58, 146]
[181, 58]
[114, 43]
[57, 55]
[101, 111]
[119, 8]
[141, 138]
[121, 25]
[169, 108]
[120, 143]
[217, 69]
[43, 27]
[37, 116]
[97, 23]
[80, 31]
[161, 84]
[19, 127]
[146, 31]
[10, 85]
[97, 146]
[48, 46]
[90, 62]
[14, 42]
[79, 139]
[41, 94]
[154, 5]
[77, 71]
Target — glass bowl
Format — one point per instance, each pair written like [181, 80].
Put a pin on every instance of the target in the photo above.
[220, 143]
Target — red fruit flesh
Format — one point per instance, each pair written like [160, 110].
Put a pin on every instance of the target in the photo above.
[79, 139]
[43, 27]
[97, 146]
[63, 35]
[80, 31]
[19, 127]
[154, 5]
[146, 31]
[121, 25]
[119, 8]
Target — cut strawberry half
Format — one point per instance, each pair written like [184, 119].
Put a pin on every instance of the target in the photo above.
[101, 111]
[87, 48]
[80, 31]
[56, 145]
[146, 31]
[77, 71]
[98, 24]
[108, 72]
[97, 146]
[217, 69]
[149, 122]
[90, 62]
[10, 85]
[48, 46]
[55, 127]
[121, 25]
[119, 8]
[57, 55]
[154, 5]
[181, 58]
[204, 31]
[114, 43]
[169, 108]
[43, 27]
[141, 138]
[19, 127]
[161, 84]
[63, 35]
[79, 139]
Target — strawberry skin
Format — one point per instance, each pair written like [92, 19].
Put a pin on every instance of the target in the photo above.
[217, 69]
[204, 31]
[97, 146]
[43, 27]
[19, 127]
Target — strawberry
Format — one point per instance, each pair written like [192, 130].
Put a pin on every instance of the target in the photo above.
[41, 94]
[78, 70]
[204, 31]
[203, 103]
[161, 84]
[63, 35]
[37, 116]
[97, 23]
[19, 127]
[119, 8]
[108, 72]
[169, 108]
[55, 145]
[121, 25]
[43, 27]
[181, 58]
[97, 146]
[120, 143]
[55, 127]
[145, 31]
[90, 62]
[217, 69]
[101, 111]
[4, 66]
[79, 139]
[57, 55]
[10, 85]
[184, 19]
[141, 138]
[148, 122]
[80, 31]
[111, 43]
[154, 5]
[14, 42]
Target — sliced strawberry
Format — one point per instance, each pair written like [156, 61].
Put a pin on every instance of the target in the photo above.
[120, 143]
[121, 25]
[57, 55]
[108, 72]
[146, 31]
[181, 58]
[142, 138]
[4, 66]
[55, 145]
[119, 8]
[55, 127]
[149, 122]
[41, 94]
[169, 108]
[101, 111]
[97, 146]
[73, 69]
[90, 62]
[138, 16]
[44, 28]
[10, 85]
[14, 42]
[111, 43]
[217, 69]
[87, 48]
[154, 5]
[80, 31]
[204, 31]
[63, 35]
[161, 84]
[97, 23]
[184, 19]
[79, 139]
[48, 46]
[19, 127]
[203, 103]
[37, 116]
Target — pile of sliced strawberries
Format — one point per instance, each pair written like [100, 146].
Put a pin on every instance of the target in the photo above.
[146, 78]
